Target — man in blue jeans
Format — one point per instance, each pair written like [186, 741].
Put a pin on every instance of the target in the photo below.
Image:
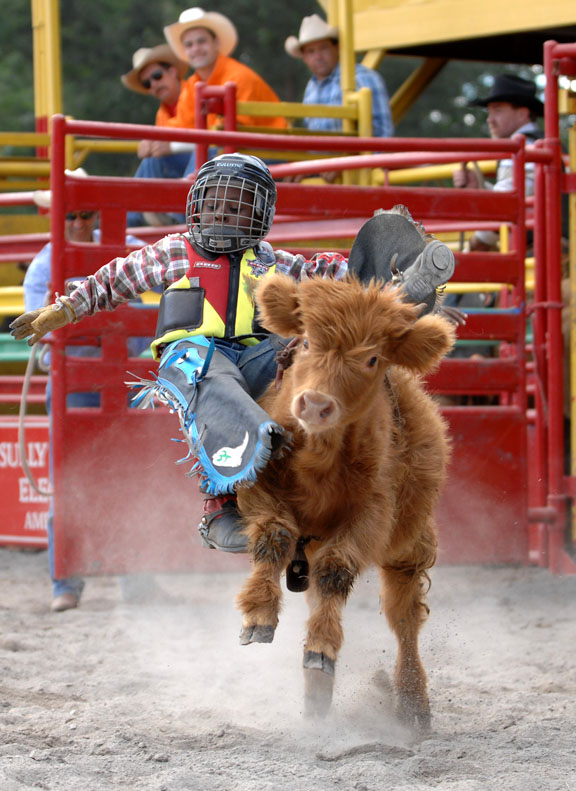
[80, 226]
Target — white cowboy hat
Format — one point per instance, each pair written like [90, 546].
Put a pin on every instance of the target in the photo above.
[313, 28]
[144, 57]
[220, 25]
[43, 198]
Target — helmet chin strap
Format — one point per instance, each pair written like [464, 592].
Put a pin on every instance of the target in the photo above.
[222, 239]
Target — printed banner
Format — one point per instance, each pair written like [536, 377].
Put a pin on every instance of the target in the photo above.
[24, 512]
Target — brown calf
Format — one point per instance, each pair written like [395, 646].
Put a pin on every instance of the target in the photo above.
[360, 485]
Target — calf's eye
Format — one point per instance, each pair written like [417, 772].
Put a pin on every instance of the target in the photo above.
[304, 343]
[372, 362]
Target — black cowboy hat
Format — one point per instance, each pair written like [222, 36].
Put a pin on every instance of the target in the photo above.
[513, 89]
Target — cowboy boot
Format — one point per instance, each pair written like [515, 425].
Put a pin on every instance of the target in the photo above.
[221, 524]
[391, 246]
[433, 268]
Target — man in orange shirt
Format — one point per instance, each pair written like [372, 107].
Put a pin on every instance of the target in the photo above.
[205, 40]
[157, 72]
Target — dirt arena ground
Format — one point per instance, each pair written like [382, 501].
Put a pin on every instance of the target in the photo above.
[161, 696]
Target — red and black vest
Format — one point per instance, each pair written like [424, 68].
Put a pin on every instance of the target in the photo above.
[214, 298]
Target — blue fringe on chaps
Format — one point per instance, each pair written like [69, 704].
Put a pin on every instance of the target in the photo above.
[212, 386]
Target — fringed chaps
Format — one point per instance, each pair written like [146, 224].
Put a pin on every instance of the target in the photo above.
[230, 438]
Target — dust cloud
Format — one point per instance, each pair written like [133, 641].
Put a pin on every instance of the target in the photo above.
[160, 695]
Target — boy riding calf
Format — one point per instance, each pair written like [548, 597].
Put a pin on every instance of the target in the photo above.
[214, 359]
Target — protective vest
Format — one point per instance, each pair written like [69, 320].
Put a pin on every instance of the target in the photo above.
[214, 298]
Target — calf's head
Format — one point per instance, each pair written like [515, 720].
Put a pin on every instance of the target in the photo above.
[350, 334]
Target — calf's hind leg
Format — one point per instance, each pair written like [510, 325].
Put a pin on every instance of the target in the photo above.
[403, 596]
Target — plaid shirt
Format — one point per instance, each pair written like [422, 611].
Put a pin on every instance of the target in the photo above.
[165, 262]
[329, 91]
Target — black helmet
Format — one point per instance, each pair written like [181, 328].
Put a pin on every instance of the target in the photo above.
[246, 183]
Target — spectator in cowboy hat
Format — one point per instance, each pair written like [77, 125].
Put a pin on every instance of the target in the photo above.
[317, 45]
[158, 72]
[513, 109]
[513, 90]
[205, 39]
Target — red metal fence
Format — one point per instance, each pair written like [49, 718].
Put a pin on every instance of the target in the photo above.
[121, 503]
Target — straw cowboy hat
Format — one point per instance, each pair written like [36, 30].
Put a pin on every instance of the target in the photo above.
[144, 57]
[313, 28]
[220, 25]
[513, 89]
[43, 198]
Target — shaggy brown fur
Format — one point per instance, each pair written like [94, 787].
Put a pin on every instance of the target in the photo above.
[363, 478]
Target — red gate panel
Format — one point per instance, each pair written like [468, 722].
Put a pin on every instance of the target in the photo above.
[127, 506]
[121, 504]
[483, 513]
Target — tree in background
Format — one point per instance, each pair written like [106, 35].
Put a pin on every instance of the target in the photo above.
[97, 49]
[98, 40]
[16, 68]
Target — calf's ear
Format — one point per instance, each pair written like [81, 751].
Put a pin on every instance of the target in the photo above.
[424, 344]
[277, 301]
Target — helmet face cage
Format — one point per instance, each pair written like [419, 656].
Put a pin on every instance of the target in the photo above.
[231, 205]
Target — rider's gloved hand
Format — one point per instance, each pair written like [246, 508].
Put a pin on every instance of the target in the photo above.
[36, 323]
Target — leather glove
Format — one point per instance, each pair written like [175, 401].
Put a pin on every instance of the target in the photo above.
[36, 323]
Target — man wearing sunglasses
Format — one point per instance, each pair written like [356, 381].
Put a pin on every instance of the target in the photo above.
[205, 39]
[157, 72]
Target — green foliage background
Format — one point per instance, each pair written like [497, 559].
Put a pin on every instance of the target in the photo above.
[98, 40]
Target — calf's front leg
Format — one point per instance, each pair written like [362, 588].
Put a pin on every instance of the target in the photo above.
[272, 540]
[331, 582]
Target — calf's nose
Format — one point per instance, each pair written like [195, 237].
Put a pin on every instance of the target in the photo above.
[314, 408]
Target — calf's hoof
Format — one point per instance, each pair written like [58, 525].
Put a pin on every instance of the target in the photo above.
[415, 714]
[256, 634]
[318, 684]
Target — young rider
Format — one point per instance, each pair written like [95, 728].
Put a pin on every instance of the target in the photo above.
[214, 359]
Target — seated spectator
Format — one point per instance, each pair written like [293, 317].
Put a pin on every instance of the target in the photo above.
[317, 45]
[205, 40]
[513, 109]
[157, 72]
